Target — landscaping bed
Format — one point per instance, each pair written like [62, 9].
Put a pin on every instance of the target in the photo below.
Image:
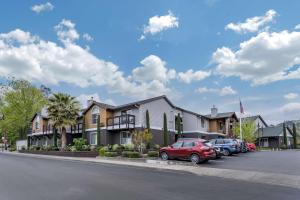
[89, 154]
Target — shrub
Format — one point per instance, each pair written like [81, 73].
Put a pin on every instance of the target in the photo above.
[13, 148]
[152, 154]
[103, 150]
[131, 154]
[79, 143]
[128, 147]
[110, 154]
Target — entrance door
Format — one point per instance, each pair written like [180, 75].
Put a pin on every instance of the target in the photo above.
[126, 137]
[265, 142]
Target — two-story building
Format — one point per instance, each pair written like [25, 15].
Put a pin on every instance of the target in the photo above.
[118, 122]
[221, 123]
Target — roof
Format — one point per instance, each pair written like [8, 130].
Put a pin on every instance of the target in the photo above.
[138, 103]
[222, 115]
[274, 131]
[253, 118]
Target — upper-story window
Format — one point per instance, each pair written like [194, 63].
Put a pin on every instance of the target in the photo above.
[202, 122]
[37, 122]
[95, 113]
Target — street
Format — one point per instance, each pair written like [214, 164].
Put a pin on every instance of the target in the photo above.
[38, 178]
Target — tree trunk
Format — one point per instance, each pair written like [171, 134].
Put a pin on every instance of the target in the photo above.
[63, 138]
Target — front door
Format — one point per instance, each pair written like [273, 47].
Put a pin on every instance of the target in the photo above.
[126, 137]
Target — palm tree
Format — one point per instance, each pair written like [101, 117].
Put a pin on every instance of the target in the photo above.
[63, 110]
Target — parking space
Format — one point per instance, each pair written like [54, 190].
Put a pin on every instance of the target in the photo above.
[284, 162]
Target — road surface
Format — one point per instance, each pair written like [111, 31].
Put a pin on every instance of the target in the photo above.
[27, 178]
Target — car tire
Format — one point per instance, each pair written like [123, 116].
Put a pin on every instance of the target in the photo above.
[164, 156]
[195, 158]
[226, 152]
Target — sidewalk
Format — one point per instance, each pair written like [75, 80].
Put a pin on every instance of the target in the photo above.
[249, 176]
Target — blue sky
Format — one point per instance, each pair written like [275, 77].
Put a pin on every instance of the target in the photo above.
[198, 53]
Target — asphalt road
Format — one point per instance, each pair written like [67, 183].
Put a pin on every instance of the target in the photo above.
[284, 162]
[25, 178]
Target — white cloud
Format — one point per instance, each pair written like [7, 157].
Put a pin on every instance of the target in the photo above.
[157, 24]
[291, 95]
[297, 27]
[83, 98]
[290, 107]
[252, 24]
[66, 31]
[153, 68]
[262, 59]
[42, 7]
[227, 90]
[191, 75]
[23, 55]
[87, 37]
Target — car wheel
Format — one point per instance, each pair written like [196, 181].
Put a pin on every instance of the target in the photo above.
[195, 159]
[226, 152]
[164, 156]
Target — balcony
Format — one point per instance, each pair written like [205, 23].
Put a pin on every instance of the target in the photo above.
[126, 121]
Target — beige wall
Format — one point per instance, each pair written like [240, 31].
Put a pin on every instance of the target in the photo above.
[43, 122]
[104, 114]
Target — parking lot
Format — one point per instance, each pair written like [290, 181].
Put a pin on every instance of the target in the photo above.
[284, 162]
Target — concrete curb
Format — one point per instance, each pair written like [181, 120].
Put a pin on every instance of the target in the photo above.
[292, 181]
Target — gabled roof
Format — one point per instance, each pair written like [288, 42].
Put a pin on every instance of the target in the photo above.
[222, 115]
[274, 131]
[253, 118]
[102, 105]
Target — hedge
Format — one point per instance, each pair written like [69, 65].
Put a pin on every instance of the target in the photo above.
[131, 154]
[152, 153]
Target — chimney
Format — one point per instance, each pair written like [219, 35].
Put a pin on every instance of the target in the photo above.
[214, 111]
[90, 101]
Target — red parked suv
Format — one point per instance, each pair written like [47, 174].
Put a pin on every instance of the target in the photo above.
[194, 150]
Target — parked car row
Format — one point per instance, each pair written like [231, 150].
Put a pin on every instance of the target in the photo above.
[200, 151]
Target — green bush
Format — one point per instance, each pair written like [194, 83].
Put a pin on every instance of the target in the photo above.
[79, 144]
[13, 148]
[131, 154]
[103, 150]
[152, 153]
[128, 147]
[110, 154]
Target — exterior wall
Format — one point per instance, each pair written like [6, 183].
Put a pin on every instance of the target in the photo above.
[156, 110]
[43, 123]
[192, 122]
[103, 117]
[214, 125]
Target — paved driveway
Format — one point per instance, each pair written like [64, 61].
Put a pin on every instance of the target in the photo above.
[284, 162]
[38, 178]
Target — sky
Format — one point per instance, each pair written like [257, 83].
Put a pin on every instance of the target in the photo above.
[198, 53]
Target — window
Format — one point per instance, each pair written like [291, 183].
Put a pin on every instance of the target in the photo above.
[177, 145]
[93, 138]
[123, 116]
[188, 144]
[220, 141]
[221, 126]
[95, 113]
[37, 122]
[126, 138]
[202, 122]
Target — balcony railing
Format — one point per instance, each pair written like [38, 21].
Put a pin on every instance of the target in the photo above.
[121, 122]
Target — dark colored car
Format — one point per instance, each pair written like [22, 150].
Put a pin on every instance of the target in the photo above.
[194, 150]
[229, 146]
[218, 150]
[242, 145]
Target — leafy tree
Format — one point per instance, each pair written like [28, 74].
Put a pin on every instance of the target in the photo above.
[284, 135]
[147, 120]
[141, 139]
[98, 131]
[20, 100]
[295, 135]
[165, 130]
[248, 130]
[178, 124]
[83, 129]
[63, 110]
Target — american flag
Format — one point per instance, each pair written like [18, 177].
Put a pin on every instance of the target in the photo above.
[241, 108]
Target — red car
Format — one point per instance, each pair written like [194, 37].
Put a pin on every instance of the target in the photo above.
[194, 150]
[251, 146]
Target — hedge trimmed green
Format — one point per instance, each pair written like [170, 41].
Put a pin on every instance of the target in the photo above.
[102, 151]
[110, 154]
[152, 154]
[131, 154]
